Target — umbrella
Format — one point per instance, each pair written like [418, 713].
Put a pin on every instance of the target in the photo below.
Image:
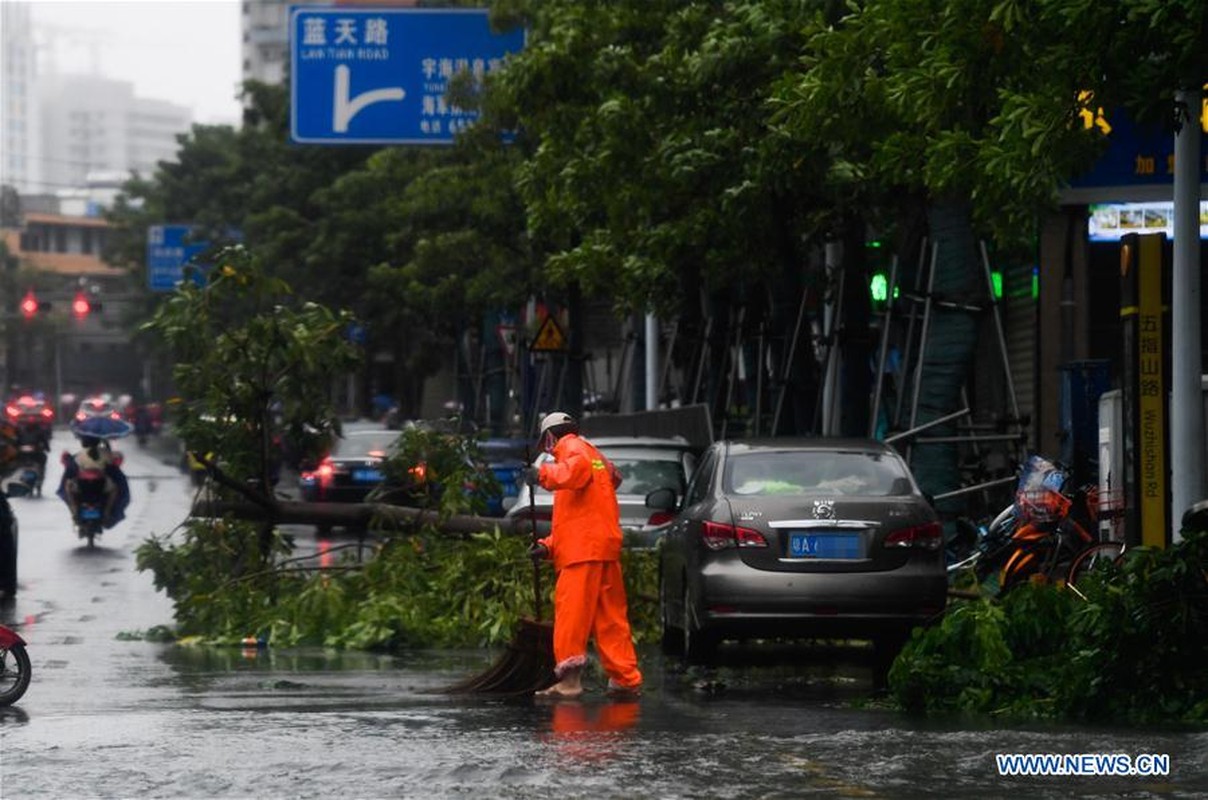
[101, 427]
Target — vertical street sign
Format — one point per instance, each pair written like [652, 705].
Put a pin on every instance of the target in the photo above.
[168, 250]
[1146, 356]
[380, 75]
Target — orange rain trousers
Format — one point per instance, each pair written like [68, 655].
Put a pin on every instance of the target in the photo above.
[589, 600]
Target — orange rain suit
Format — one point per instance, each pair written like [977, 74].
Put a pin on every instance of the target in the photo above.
[585, 545]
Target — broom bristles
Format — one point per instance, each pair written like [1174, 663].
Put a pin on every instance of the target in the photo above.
[526, 667]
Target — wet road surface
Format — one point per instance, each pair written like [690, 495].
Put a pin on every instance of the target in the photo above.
[111, 715]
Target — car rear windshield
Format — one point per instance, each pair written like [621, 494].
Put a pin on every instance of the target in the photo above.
[816, 472]
[643, 476]
[360, 444]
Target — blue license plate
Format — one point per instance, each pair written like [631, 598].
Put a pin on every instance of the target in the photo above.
[88, 512]
[367, 475]
[824, 545]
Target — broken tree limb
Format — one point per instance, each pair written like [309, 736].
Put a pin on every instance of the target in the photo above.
[358, 515]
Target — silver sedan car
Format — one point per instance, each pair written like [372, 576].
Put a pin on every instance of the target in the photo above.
[646, 463]
[802, 538]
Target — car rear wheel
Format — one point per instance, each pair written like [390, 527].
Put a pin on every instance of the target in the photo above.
[672, 643]
[699, 646]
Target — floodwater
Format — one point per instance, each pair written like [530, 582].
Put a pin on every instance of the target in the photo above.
[111, 715]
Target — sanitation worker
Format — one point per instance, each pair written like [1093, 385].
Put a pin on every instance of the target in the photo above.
[585, 546]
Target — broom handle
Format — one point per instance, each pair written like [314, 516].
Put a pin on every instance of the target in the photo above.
[536, 564]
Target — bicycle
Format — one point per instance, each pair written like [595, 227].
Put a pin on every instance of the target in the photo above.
[1048, 533]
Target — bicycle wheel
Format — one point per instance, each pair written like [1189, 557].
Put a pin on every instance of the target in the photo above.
[1092, 558]
[14, 674]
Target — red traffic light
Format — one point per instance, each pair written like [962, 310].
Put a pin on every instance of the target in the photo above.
[80, 306]
[29, 304]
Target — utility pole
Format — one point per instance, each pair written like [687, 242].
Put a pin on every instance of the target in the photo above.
[1186, 395]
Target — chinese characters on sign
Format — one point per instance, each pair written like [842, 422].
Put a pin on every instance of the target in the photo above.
[1151, 391]
[169, 249]
[382, 75]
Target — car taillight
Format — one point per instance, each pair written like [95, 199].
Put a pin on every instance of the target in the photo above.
[46, 412]
[12, 411]
[924, 537]
[325, 471]
[718, 536]
[660, 518]
[419, 472]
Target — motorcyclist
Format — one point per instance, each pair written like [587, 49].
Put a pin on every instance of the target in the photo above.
[95, 454]
[33, 443]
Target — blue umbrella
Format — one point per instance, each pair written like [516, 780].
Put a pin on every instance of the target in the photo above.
[101, 427]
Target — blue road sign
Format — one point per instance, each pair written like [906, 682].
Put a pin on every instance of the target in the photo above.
[167, 253]
[380, 75]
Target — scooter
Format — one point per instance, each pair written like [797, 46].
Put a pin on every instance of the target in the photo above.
[90, 500]
[14, 667]
[31, 468]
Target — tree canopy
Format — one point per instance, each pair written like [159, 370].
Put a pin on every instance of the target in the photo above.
[644, 151]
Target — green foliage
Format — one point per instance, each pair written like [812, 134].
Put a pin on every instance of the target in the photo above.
[437, 469]
[250, 367]
[215, 576]
[1133, 650]
[984, 98]
[417, 587]
[424, 590]
[650, 164]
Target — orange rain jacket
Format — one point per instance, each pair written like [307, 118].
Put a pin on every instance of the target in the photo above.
[586, 524]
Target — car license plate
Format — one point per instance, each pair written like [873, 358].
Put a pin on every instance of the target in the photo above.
[824, 545]
[367, 475]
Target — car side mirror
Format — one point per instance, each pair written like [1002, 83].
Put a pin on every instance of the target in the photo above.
[662, 500]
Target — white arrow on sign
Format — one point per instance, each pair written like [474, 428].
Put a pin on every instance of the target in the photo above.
[345, 109]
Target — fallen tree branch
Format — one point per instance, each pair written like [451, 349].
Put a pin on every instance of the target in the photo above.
[360, 515]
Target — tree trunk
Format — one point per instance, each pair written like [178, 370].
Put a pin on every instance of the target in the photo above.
[951, 342]
[361, 515]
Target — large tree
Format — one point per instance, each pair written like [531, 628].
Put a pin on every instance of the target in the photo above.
[974, 112]
[652, 175]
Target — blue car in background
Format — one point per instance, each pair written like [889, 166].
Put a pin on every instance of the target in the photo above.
[505, 458]
[351, 470]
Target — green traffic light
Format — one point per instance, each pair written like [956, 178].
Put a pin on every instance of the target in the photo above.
[879, 286]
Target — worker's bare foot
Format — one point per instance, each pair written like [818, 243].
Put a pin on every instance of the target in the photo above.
[618, 692]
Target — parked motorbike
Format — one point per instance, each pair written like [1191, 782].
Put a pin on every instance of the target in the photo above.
[14, 667]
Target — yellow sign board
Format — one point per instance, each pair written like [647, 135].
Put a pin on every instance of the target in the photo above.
[549, 338]
[1151, 394]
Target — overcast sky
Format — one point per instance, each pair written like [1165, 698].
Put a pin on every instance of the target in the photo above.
[185, 51]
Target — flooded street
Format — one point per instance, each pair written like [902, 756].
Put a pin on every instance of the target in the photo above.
[111, 715]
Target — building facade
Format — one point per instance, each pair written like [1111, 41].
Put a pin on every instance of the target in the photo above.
[92, 124]
[20, 152]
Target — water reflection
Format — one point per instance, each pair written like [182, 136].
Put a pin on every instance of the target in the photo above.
[590, 733]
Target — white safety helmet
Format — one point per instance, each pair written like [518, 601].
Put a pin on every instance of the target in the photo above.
[553, 427]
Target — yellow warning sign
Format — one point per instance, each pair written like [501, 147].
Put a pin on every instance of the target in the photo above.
[549, 338]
